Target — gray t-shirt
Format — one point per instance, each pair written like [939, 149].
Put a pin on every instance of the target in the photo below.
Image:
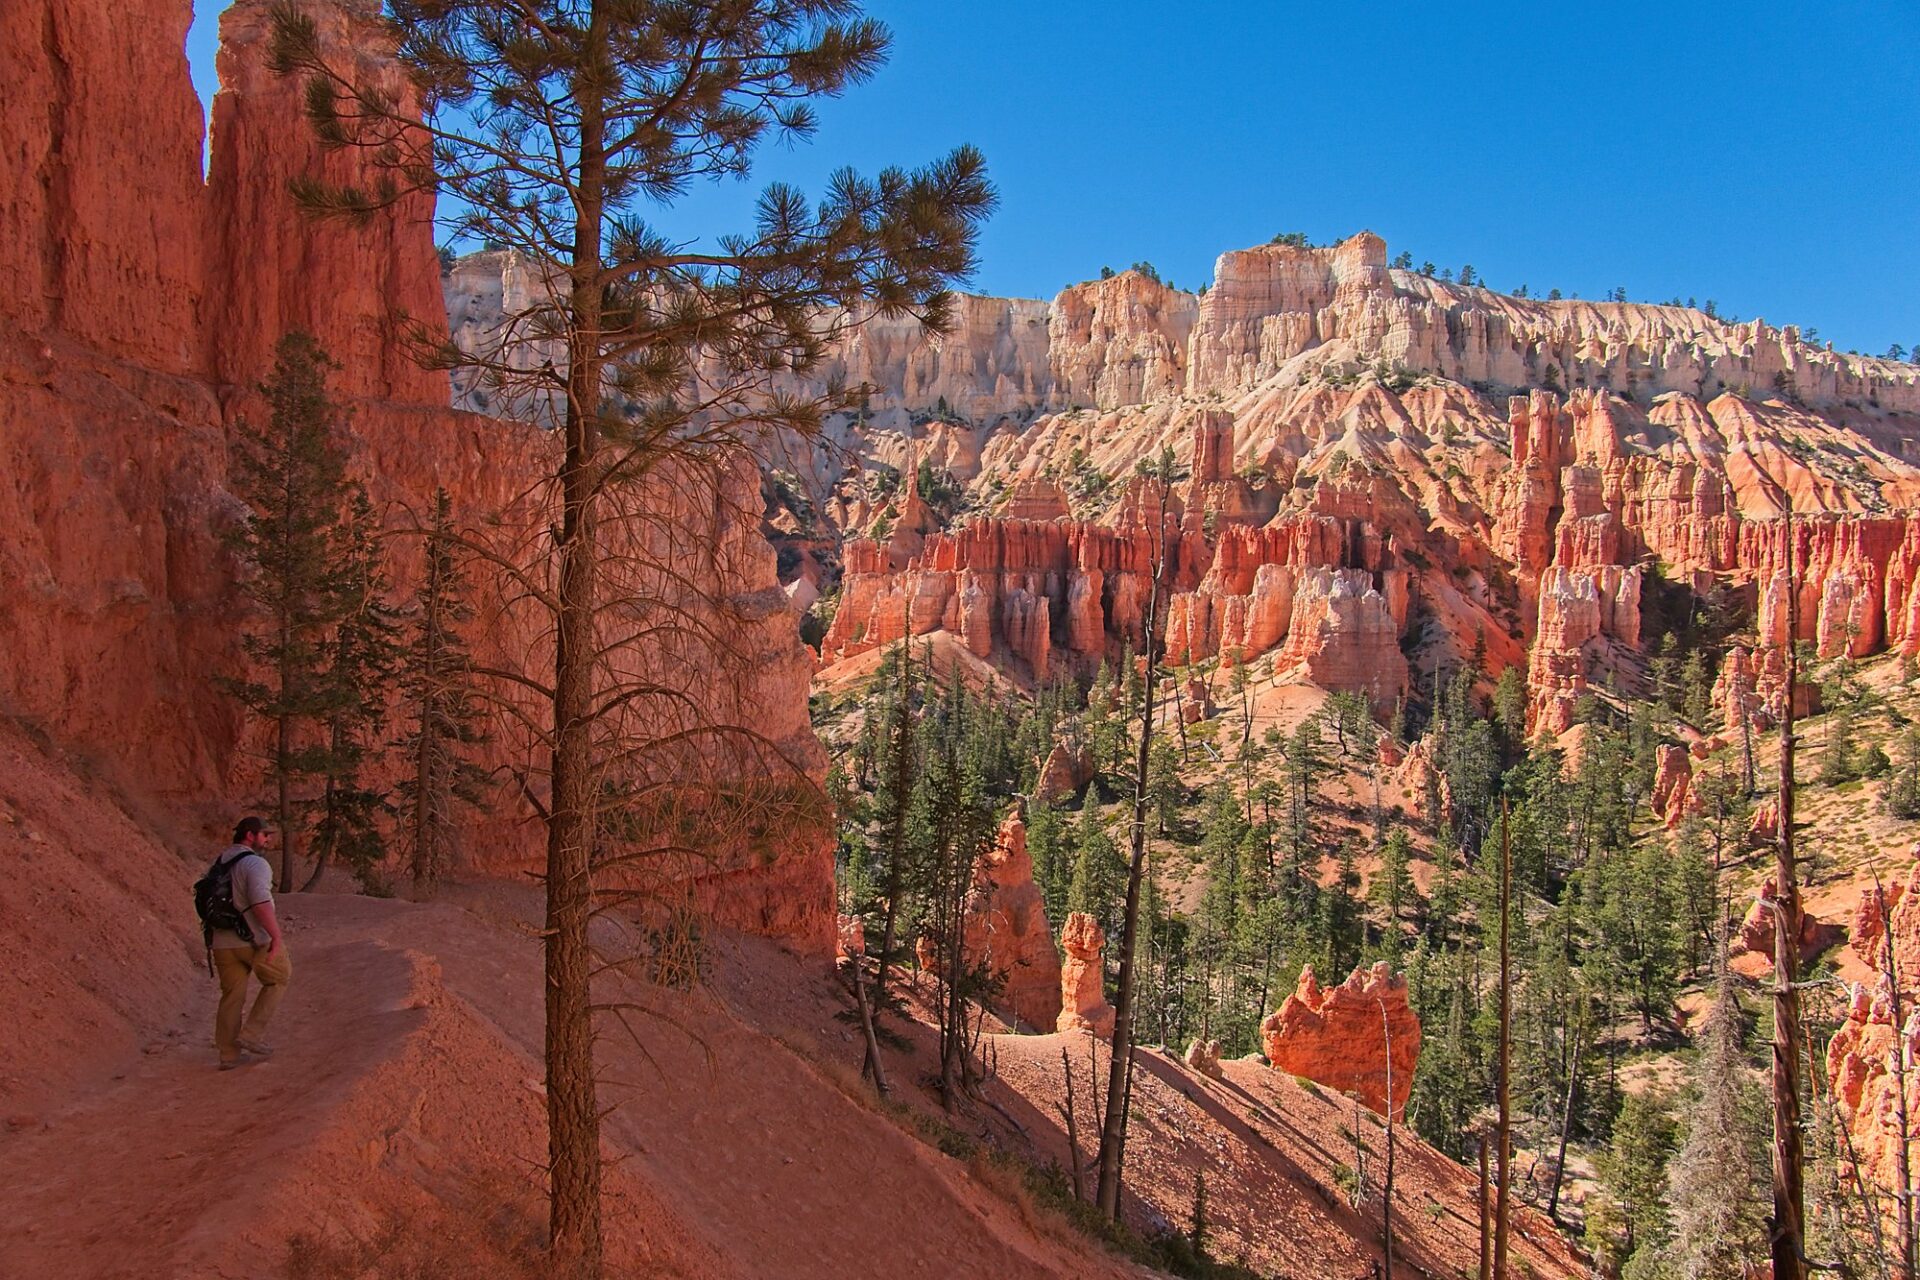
[252, 886]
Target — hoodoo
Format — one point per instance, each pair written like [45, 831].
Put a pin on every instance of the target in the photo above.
[1359, 1037]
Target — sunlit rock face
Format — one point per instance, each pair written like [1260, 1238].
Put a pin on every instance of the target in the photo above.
[1506, 471]
[142, 305]
[1864, 1055]
[1083, 997]
[1006, 929]
[1353, 1038]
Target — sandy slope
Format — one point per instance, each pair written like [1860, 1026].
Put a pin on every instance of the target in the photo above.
[1273, 1150]
[404, 1097]
[399, 1128]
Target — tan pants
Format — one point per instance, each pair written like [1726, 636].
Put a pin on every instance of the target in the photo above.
[235, 965]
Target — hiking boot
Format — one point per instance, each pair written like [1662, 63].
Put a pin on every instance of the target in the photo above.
[259, 1048]
[229, 1064]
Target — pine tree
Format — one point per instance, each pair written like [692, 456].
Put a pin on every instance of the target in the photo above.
[292, 477]
[1304, 769]
[1053, 859]
[1841, 761]
[1635, 924]
[1633, 1168]
[1166, 794]
[1342, 933]
[1663, 672]
[1392, 887]
[551, 128]
[957, 827]
[444, 727]
[1903, 788]
[1510, 712]
[1220, 918]
[1099, 873]
[1694, 888]
[362, 657]
[900, 757]
[1717, 1177]
[1696, 690]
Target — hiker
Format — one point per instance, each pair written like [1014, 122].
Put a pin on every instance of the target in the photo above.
[235, 903]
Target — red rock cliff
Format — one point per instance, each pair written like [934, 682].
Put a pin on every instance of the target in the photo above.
[145, 304]
[353, 285]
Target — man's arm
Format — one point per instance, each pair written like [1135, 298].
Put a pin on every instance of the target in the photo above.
[254, 879]
[264, 918]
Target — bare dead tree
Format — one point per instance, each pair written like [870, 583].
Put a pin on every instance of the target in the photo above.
[1899, 1064]
[1386, 1197]
[1786, 1231]
[1068, 1114]
[1155, 481]
[1566, 1124]
[1861, 1192]
[1746, 744]
[1503, 1097]
[873, 1067]
[1358, 1196]
[1486, 1219]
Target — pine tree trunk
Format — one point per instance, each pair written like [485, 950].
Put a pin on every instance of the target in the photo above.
[330, 823]
[1113, 1131]
[573, 1115]
[286, 675]
[283, 807]
[1786, 1228]
[426, 796]
[1486, 1222]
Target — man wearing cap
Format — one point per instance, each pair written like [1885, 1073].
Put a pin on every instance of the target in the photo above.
[238, 1033]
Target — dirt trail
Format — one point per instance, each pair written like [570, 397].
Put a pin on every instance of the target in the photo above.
[406, 1084]
[172, 1159]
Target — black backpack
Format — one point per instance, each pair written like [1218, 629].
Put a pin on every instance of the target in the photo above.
[213, 902]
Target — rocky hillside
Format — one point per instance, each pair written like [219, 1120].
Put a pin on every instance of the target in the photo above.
[1384, 473]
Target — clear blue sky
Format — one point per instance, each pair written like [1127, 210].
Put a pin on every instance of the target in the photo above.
[1765, 155]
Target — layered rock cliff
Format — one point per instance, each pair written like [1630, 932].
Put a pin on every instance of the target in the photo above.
[1506, 471]
[1524, 528]
[141, 303]
[1277, 311]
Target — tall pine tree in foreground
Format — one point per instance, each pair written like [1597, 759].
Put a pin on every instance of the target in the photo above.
[553, 128]
[291, 475]
[440, 710]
